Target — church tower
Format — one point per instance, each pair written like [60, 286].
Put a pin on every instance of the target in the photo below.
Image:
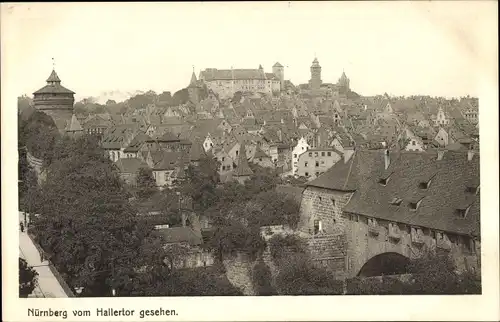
[315, 81]
[56, 101]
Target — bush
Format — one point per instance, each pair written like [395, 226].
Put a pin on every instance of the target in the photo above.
[28, 278]
[372, 286]
[261, 276]
[297, 276]
[281, 245]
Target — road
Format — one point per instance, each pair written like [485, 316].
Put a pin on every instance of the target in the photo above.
[48, 286]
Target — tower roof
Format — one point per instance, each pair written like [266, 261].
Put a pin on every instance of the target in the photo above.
[315, 63]
[53, 78]
[260, 67]
[277, 65]
[243, 168]
[193, 79]
[53, 86]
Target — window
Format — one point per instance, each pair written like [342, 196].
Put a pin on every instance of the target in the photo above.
[315, 154]
[383, 181]
[333, 202]
[413, 142]
[414, 205]
[322, 162]
[462, 213]
[317, 163]
[317, 226]
[295, 155]
[223, 159]
[307, 174]
[329, 154]
[305, 164]
[396, 201]
[322, 154]
[310, 154]
[166, 176]
[237, 152]
[317, 174]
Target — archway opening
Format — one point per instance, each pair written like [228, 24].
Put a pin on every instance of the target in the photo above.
[385, 264]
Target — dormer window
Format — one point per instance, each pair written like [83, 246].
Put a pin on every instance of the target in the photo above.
[384, 178]
[462, 213]
[396, 201]
[414, 203]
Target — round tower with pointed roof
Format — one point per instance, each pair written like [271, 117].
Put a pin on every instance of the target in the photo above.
[56, 101]
[315, 81]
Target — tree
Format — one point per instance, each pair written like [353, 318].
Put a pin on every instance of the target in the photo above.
[201, 183]
[261, 278]
[146, 185]
[28, 278]
[86, 223]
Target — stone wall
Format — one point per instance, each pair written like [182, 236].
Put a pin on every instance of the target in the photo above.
[239, 272]
[323, 205]
[328, 251]
[365, 241]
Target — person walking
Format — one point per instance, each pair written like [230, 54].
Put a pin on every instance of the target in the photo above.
[22, 226]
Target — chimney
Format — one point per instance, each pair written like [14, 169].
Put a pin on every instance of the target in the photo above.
[387, 159]
[280, 136]
[470, 155]
[440, 154]
[348, 152]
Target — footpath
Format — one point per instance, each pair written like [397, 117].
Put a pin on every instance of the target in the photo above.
[48, 285]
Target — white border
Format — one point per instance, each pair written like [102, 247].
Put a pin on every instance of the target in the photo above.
[353, 308]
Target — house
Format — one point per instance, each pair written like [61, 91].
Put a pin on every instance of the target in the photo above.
[314, 162]
[301, 147]
[382, 203]
[135, 146]
[261, 158]
[441, 118]
[117, 138]
[226, 163]
[184, 247]
[442, 137]
[128, 169]
[166, 166]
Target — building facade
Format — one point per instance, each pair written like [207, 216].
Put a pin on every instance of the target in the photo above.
[226, 82]
[315, 162]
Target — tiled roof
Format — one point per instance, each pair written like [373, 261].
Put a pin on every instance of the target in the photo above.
[228, 74]
[54, 89]
[243, 169]
[439, 202]
[74, 125]
[166, 160]
[53, 77]
[176, 235]
[53, 86]
[137, 142]
[130, 165]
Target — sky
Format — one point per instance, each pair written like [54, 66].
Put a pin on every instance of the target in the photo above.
[402, 48]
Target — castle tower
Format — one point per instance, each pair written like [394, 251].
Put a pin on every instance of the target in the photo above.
[193, 89]
[279, 71]
[56, 101]
[315, 81]
[344, 83]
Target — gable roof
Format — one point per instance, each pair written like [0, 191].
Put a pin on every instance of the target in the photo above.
[130, 165]
[438, 203]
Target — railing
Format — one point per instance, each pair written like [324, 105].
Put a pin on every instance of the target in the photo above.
[67, 290]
